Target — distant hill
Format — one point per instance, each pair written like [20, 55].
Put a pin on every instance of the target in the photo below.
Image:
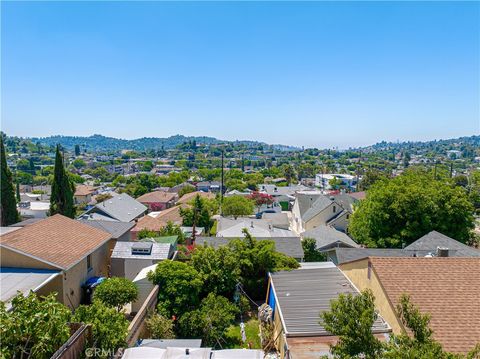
[103, 143]
[437, 145]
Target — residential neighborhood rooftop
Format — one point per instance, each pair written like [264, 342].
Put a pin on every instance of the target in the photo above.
[446, 288]
[58, 240]
[302, 294]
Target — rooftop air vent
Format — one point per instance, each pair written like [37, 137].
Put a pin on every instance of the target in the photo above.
[142, 248]
[442, 252]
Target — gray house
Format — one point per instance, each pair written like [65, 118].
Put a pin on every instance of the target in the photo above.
[121, 208]
[120, 231]
[129, 258]
[327, 237]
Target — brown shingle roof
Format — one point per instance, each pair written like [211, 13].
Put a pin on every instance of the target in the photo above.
[157, 223]
[187, 197]
[84, 190]
[58, 240]
[156, 196]
[446, 288]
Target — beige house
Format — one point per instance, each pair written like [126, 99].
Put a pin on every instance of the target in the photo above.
[447, 288]
[311, 210]
[83, 194]
[58, 243]
[297, 298]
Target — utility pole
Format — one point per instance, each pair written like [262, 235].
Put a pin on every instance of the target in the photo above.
[451, 169]
[221, 185]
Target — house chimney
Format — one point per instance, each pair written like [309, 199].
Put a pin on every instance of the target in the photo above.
[442, 252]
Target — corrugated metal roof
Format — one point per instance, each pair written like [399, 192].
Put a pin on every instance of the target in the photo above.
[24, 280]
[303, 293]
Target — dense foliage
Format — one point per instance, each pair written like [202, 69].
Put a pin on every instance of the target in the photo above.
[237, 206]
[180, 285]
[116, 292]
[61, 199]
[35, 328]
[8, 210]
[160, 327]
[109, 326]
[402, 209]
[218, 268]
[311, 253]
[210, 320]
[199, 214]
[351, 318]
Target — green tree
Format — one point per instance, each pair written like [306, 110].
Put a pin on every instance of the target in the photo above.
[18, 197]
[237, 206]
[209, 322]
[219, 269]
[109, 327]
[116, 292]
[77, 150]
[404, 208]
[289, 174]
[370, 177]
[256, 259]
[311, 253]
[180, 286]
[78, 163]
[9, 213]
[34, 328]
[61, 199]
[198, 215]
[160, 327]
[186, 189]
[419, 345]
[351, 318]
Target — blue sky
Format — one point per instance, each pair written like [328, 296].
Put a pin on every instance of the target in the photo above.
[317, 74]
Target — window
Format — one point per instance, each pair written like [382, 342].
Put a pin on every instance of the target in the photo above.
[334, 209]
[89, 262]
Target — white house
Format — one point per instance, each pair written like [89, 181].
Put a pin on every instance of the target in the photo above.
[322, 180]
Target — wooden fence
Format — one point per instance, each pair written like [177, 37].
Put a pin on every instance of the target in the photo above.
[74, 347]
[137, 325]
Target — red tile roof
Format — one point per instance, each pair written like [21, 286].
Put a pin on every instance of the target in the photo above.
[58, 240]
[446, 288]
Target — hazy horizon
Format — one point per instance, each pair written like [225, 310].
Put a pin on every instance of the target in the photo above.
[313, 74]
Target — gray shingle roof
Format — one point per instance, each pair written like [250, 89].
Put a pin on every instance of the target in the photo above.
[160, 251]
[433, 240]
[291, 246]
[312, 204]
[344, 255]
[121, 207]
[326, 237]
[116, 229]
[303, 293]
